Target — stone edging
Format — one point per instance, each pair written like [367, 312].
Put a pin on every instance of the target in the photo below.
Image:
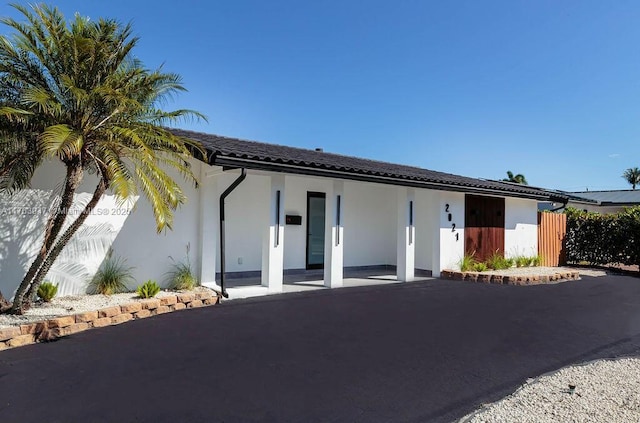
[510, 279]
[49, 330]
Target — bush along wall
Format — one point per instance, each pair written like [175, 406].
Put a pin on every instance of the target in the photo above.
[601, 239]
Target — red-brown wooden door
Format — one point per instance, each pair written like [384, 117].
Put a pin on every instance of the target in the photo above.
[483, 226]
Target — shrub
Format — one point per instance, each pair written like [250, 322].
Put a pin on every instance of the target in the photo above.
[112, 277]
[522, 261]
[480, 267]
[46, 291]
[498, 262]
[148, 290]
[467, 262]
[182, 277]
[536, 260]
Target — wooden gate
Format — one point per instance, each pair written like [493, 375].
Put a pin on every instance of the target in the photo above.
[483, 226]
[552, 230]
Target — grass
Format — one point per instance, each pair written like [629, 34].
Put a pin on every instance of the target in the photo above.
[498, 262]
[112, 277]
[182, 276]
[467, 263]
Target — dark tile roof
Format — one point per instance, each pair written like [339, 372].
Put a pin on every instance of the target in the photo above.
[258, 155]
[626, 197]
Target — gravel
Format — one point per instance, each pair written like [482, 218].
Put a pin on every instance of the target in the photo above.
[605, 391]
[64, 306]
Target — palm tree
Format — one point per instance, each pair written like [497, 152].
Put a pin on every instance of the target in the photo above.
[632, 175]
[72, 92]
[518, 179]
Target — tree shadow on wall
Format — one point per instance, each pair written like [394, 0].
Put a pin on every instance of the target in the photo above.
[22, 221]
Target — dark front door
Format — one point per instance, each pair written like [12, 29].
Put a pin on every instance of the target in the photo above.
[483, 226]
[315, 229]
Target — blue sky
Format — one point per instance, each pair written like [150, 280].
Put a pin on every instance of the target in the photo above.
[545, 88]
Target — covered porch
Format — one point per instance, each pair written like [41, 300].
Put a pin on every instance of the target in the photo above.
[289, 233]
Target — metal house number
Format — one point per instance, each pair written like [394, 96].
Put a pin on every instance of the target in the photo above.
[450, 218]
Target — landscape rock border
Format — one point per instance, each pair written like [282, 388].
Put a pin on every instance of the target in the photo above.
[515, 279]
[52, 329]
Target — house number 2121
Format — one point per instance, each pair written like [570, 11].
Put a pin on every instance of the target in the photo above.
[450, 218]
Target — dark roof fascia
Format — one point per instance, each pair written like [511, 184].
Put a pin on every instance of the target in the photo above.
[312, 171]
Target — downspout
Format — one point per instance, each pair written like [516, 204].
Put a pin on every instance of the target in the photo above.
[560, 208]
[224, 195]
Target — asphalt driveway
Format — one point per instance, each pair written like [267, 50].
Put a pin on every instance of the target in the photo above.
[419, 352]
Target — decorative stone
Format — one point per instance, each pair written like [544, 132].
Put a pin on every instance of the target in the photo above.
[497, 279]
[131, 308]
[3, 346]
[469, 276]
[121, 318]
[8, 333]
[203, 295]
[109, 311]
[162, 309]
[195, 304]
[21, 340]
[484, 278]
[29, 329]
[68, 330]
[61, 322]
[150, 304]
[178, 306]
[211, 301]
[167, 301]
[102, 322]
[86, 317]
[186, 297]
[142, 314]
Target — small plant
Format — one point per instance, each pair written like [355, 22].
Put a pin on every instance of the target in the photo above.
[467, 262]
[182, 277]
[480, 267]
[498, 262]
[112, 277]
[148, 290]
[522, 261]
[46, 291]
[536, 261]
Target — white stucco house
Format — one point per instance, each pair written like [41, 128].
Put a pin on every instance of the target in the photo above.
[286, 210]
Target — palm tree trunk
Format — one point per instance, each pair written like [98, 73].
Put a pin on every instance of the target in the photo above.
[54, 226]
[62, 242]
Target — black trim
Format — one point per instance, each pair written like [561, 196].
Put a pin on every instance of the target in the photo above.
[224, 195]
[338, 198]
[310, 195]
[389, 180]
[277, 218]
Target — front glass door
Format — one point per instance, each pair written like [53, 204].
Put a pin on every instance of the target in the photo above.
[315, 230]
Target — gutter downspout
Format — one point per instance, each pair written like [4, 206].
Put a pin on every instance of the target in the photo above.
[224, 195]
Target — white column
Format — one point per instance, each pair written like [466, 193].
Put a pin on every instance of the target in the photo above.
[406, 235]
[209, 221]
[334, 236]
[273, 237]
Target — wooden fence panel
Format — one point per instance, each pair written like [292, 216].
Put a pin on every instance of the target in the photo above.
[552, 229]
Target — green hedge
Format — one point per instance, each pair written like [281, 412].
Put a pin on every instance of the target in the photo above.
[603, 238]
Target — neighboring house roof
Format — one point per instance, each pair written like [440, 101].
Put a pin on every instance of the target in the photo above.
[232, 152]
[625, 197]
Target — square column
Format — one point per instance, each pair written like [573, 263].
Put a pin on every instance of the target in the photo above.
[333, 247]
[406, 235]
[209, 221]
[273, 237]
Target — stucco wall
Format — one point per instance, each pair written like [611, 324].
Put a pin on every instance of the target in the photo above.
[451, 246]
[521, 227]
[128, 229]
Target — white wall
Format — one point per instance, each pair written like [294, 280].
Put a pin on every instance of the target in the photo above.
[426, 220]
[597, 209]
[370, 224]
[128, 229]
[520, 227]
[451, 247]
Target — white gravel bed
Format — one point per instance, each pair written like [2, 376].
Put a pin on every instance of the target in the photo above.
[64, 306]
[606, 391]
